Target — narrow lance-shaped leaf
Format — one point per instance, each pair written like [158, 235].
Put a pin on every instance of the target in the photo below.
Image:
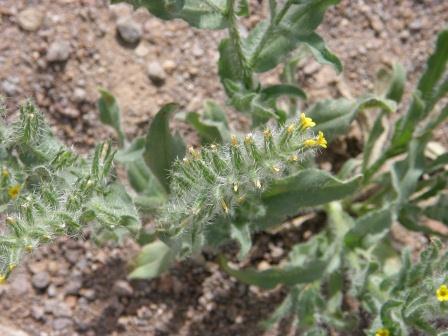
[110, 113]
[369, 227]
[309, 187]
[212, 126]
[333, 117]
[241, 233]
[298, 20]
[162, 148]
[275, 276]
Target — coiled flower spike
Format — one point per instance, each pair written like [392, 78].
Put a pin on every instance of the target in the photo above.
[218, 180]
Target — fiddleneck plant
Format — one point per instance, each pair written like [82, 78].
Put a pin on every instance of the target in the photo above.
[227, 180]
[46, 190]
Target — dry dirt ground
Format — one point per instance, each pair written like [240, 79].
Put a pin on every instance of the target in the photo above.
[59, 52]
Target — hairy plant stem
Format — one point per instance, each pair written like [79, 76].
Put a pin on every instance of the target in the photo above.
[237, 44]
[272, 25]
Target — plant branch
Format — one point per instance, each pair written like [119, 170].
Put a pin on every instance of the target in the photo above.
[237, 44]
[272, 25]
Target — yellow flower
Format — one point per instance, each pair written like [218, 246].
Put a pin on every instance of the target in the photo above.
[321, 141]
[11, 267]
[317, 141]
[310, 143]
[442, 293]
[382, 332]
[2, 279]
[5, 172]
[306, 122]
[14, 191]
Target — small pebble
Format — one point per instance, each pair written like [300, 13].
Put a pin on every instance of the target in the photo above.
[30, 19]
[156, 73]
[123, 288]
[129, 30]
[40, 280]
[58, 51]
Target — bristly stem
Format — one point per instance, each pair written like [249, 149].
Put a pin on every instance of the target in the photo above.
[237, 44]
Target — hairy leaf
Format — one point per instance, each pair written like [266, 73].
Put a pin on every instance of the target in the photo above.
[162, 149]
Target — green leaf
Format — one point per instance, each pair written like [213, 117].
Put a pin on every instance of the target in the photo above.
[115, 211]
[274, 91]
[212, 127]
[243, 8]
[439, 162]
[369, 227]
[162, 149]
[424, 98]
[320, 52]
[406, 173]
[229, 64]
[439, 211]
[268, 279]
[133, 152]
[201, 14]
[386, 311]
[391, 82]
[154, 259]
[411, 216]
[297, 24]
[309, 187]
[241, 233]
[334, 116]
[373, 148]
[110, 113]
[435, 67]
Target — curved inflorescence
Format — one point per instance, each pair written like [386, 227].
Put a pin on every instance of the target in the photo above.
[48, 191]
[220, 180]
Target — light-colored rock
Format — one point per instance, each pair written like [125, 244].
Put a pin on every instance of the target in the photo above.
[7, 329]
[156, 73]
[58, 51]
[30, 19]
